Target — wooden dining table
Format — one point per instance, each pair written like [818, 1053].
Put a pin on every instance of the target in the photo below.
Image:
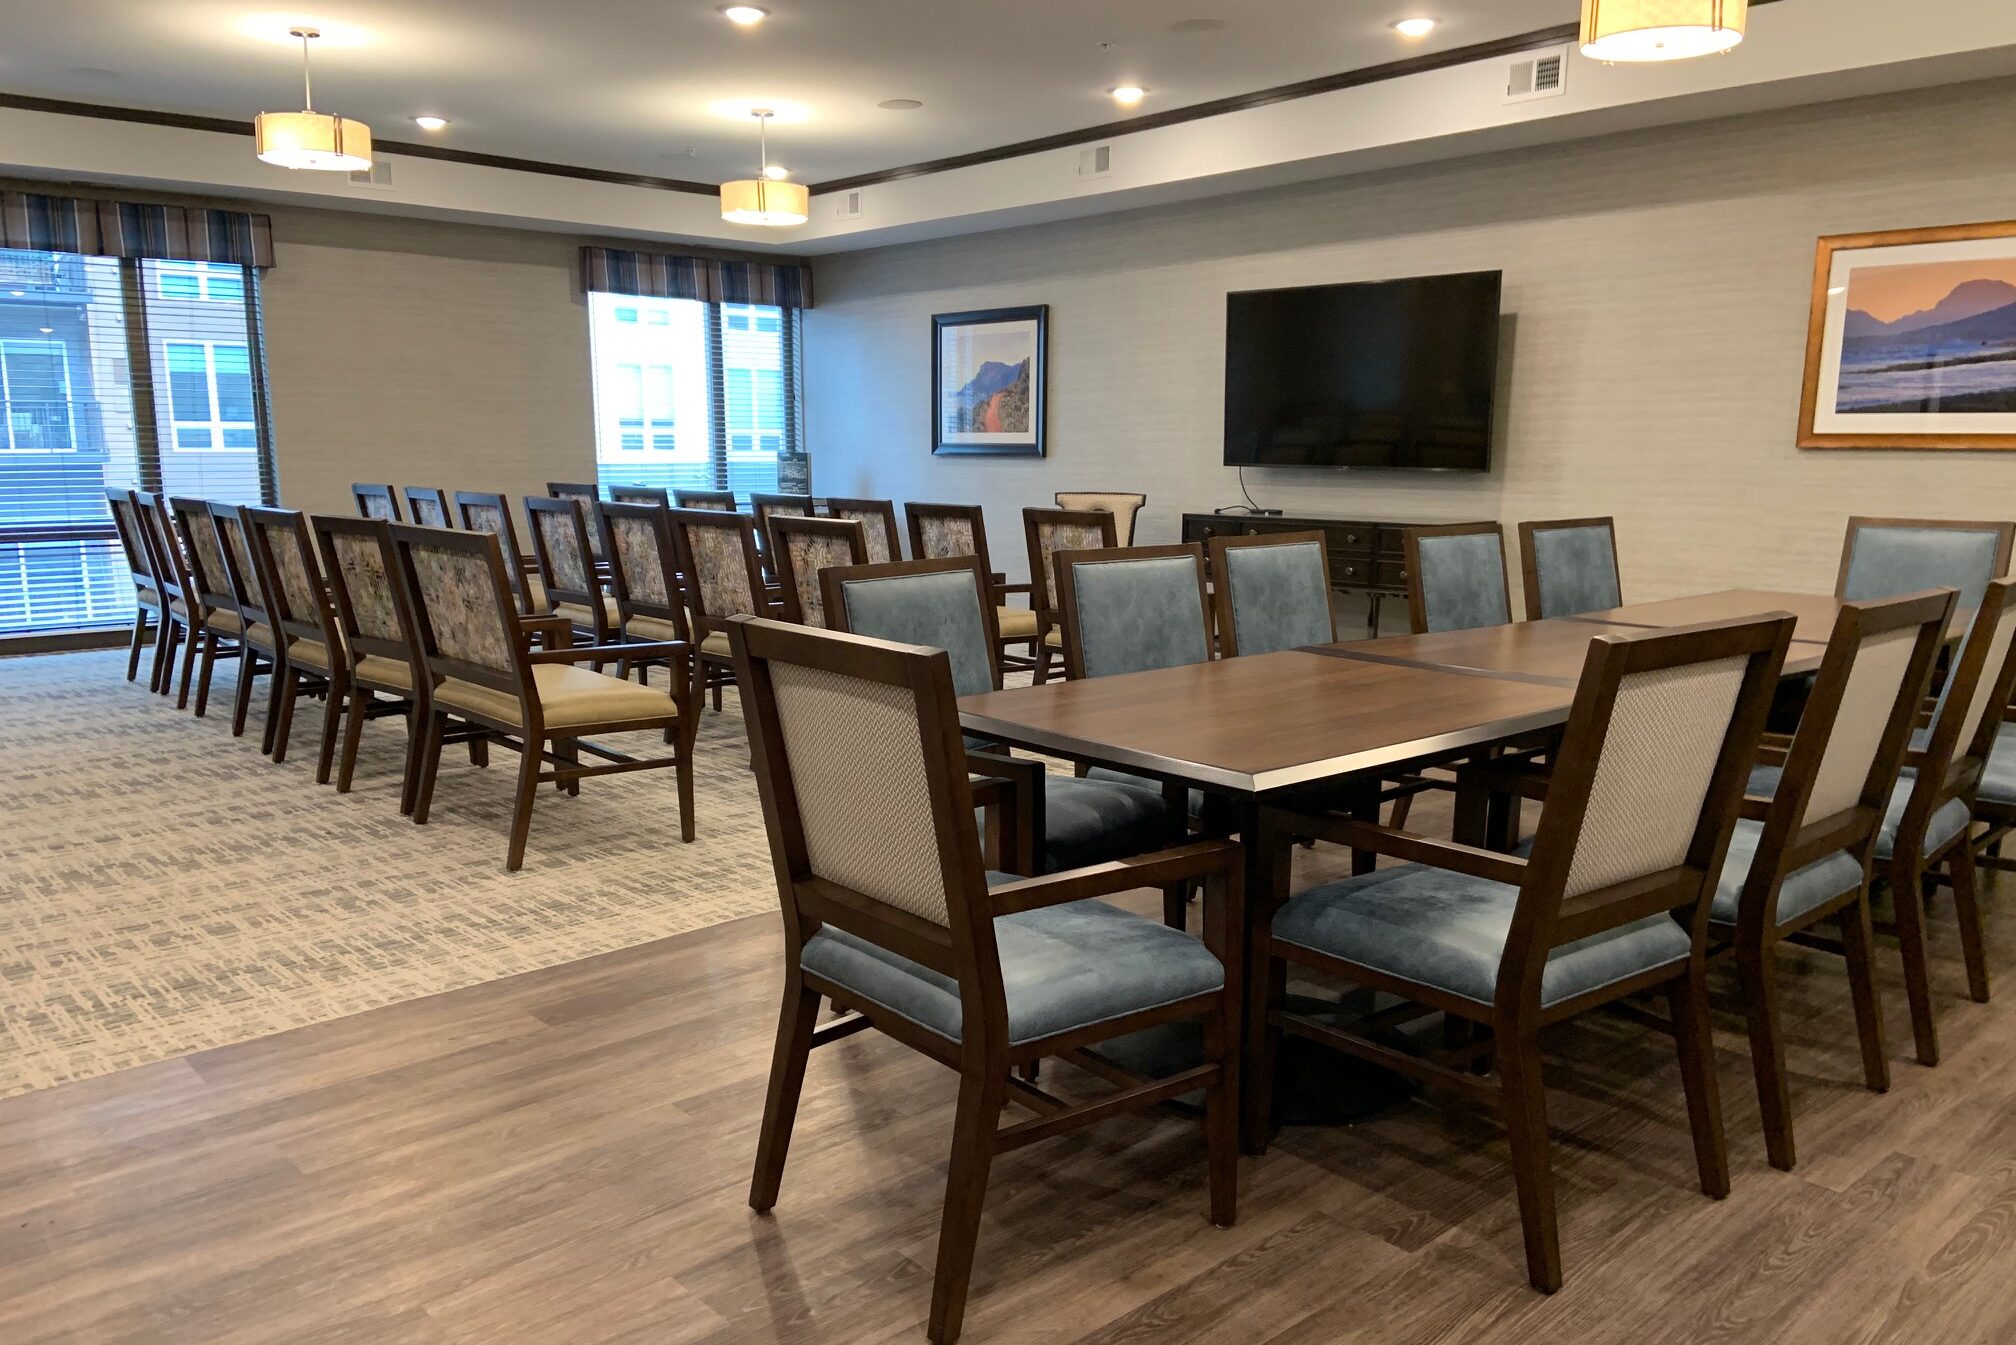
[1253, 731]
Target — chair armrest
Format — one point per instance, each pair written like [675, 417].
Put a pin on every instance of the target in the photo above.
[1006, 588]
[677, 650]
[554, 631]
[1408, 845]
[1198, 859]
[1012, 787]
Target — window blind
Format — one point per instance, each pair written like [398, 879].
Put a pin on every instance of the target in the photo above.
[117, 371]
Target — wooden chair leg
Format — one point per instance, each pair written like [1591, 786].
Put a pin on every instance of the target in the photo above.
[416, 741]
[280, 714]
[133, 645]
[1266, 992]
[1967, 905]
[241, 695]
[1401, 807]
[684, 770]
[1176, 905]
[1756, 968]
[981, 1093]
[1221, 1115]
[332, 720]
[1857, 943]
[1687, 999]
[203, 673]
[430, 766]
[569, 751]
[529, 762]
[795, 1022]
[353, 734]
[1532, 1167]
[1917, 967]
[164, 656]
[191, 637]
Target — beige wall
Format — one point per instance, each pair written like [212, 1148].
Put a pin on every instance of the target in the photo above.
[1656, 289]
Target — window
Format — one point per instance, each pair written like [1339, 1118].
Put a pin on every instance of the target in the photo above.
[87, 346]
[691, 395]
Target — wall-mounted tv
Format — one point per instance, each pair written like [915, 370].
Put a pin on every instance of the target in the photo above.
[1384, 373]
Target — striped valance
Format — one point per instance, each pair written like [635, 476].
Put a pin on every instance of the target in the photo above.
[658, 275]
[133, 229]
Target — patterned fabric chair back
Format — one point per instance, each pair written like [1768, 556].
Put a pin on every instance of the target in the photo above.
[132, 537]
[241, 574]
[462, 609]
[370, 606]
[583, 493]
[1456, 577]
[203, 553]
[1971, 704]
[1124, 505]
[428, 507]
[935, 603]
[878, 525]
[1133, 609]
[1048, 531]
[171, 565]
[284, 552]
[717, 552]
[376, 502]
[720, 501]
[1569, 567]
[946, 531]
[1273, 592]
[805, 548]
[643, 563]
[657, 495]
[563, 545]
[1885, 557]
[483, 511]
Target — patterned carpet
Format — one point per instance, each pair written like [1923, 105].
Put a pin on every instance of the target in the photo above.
[164, 888]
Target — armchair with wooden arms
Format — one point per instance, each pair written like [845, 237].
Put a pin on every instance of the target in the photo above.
[948, 531]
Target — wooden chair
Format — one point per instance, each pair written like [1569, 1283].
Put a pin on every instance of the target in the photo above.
[474, 647]
[716, 551]
[376, 502]
[566, 552]
[1272, 592]
[585, 493]
[1643, 798]
[260, 646]
[1045, 532]
[428, 507]
[878, 525]
[657, 495]
[1130, 609]
[722, 501]
[1802, 857]
[889, 910]
[374, 620]
[140, 566]
[314, 661]
[803, 547]
[644, 579]
[1123, 505]
[946, 531]
[1051, 822]
[182, 623]
[483, 511]
[217, 627]
[1569, 566]
[1456, 577]
[1885, 557]
[764, 508]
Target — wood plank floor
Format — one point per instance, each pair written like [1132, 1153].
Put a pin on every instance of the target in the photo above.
[563, 1156]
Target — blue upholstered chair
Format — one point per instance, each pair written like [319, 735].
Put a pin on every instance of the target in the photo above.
[1046, 532]
[1613, 901]
[1885, 557]
[1131, 609]
[1456, 577]
[1272, 592]
[1072, 821]
[889, 912]
[1569, 566]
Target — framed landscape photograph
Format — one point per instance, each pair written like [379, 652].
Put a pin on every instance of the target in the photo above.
[987, 381]
[1912, 340]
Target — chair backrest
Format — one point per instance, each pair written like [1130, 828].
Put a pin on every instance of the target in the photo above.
[464, 620]
[1569, 565]
[643, 562]
[1273, 592]
[132, 532]
[586, 493]
[803, 548]
[1133, 608]
[766, 508]
[946, 531]
[720, 500]
[240, 572]
[878, 525]
[1969, 710]
[1645, 788]
[563, 546]
[485, 511]
[283, 552]
[641, 495]
[428, 507]
[369, 603]
[1122, 504]
[202, 553]
[1456, 577]
[717, 554]
[1883, 557]
[1045, 532]
[937, 603]
[861, 768]
[376, 502]
[171, 567]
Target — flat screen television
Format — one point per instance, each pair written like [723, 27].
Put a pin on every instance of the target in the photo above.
[1383, 373]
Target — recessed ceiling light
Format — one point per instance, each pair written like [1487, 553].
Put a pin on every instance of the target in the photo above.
[430, 123]
[746, 15]
[45, 330]
[899, 104]
[776, 172]
[1186, 26]
[1127, 95]
[1414, 27]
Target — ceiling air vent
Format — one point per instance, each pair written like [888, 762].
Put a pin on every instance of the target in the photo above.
[379, 174]
[847, 205]
[1095, 162]
[1544, 74]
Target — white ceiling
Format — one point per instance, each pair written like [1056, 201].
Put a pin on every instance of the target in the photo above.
[637, 85]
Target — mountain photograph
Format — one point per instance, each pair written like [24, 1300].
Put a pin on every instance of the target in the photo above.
[994, 401]
[1934, 338]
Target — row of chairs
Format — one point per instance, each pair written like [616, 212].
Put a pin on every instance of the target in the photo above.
[377, 619]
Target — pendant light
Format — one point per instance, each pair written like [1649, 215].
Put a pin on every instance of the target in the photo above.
[763, 199]
[1660, 30]
[311, 139]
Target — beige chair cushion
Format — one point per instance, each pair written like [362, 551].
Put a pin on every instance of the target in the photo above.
[385, 671]
[263, 637]
[651, 628]
[310, 653]
[228, 622]
[146, 597]
[1017, 623]
[1054, 637]
[569, 697]
[717, 644]
[582, 617]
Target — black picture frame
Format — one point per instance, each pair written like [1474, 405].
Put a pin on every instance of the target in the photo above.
[949, 439]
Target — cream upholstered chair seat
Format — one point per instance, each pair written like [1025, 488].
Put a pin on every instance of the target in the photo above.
[1054, 637]
[386, 671]
[219, 618]
[1016, 623]
[717, 643]
[581, 616]
[569, 697]
[655, 628]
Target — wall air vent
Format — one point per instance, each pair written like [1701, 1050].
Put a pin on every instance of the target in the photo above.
[379, 175]
[847, 205]
[1543, 74]
[1096, 161]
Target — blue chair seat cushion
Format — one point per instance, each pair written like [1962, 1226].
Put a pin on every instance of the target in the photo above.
[1195, 798]
[1998, 777]
[1088, 821]
[1448, 930]
[1062, 967]
[1804, 888]
[1948, 821]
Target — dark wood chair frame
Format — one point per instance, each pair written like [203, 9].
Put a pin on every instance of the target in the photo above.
[293, 679]
[208, 594]
[519, 563]
[1417, 609]
[768, 507]
[1543, 921]
[363, 697]
[964, 949]
[427, 497]
[361, 492]
[657, 495]
[181, 612]
[1066, 593]
[1222, 596]
[711, 670]
[1043, 580]
[529, 736]
[914, 514]
[1529, 567]
[1140, 502]
[587, 492]
[247, 590]
[2005, 539]
[139, 553]
[782, 528]
[574, 522]
[628, 604]
[882, 510]
[720, 501]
